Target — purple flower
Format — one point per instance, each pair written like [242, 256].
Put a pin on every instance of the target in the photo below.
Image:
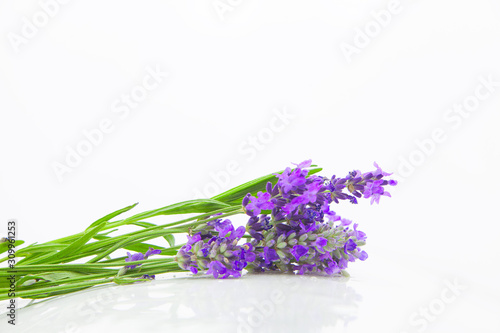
[305, 267]
[193, 239]
[343, 263]
[239, 265]
[349, 246]
[222, 227]
[299, 231]
[330, 214]
[270, 255]
[134, 257]
[299, 251]
[345, 222]
[305, 164]
[150, 252]
[320, 243]
[256, 224]
[291, 179]
[332, 268]
[217, 268]
[221, 254]
[362, 255]
[140, 256]
[257, 204]
[359, 235]
[238, 233]
[246, 200]
[379, 171]
[312, 192]
[374, 190]
[249, 256]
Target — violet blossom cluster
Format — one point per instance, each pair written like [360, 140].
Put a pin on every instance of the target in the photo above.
[291, 225]
[216, 248]
[293, 228]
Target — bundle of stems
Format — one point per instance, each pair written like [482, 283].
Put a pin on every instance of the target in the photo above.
[55, 267]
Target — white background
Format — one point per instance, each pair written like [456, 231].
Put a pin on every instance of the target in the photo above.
[230, 73]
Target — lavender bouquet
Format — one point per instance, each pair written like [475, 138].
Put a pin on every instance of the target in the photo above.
[291, 229]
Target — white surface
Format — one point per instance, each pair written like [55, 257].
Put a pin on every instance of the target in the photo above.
[227, 80]
[379, 300]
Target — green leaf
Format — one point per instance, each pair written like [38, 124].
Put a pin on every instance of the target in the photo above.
[138, 247]
[235, 195]
[4, 282]
[4, 246]
[89, 233]
[185, 207]
[121, 280]
[29, 279]
[110, 216]
[60, 275]
[40, 248]
[107, 232]
[75, 246]
[169, 238]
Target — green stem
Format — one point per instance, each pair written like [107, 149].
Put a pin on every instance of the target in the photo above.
[85, 250]
[72, 286]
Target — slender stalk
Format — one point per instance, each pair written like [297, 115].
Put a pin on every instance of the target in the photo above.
[84, 251]
[57, 288]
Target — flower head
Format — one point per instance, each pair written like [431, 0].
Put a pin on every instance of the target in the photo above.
[217, 251]
[257, 204]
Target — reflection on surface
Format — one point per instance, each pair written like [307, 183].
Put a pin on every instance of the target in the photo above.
[253, 303]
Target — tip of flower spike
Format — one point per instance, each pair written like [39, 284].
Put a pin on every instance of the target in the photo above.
[380, 171]
[305, 164]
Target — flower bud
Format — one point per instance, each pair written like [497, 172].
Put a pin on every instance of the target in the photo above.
[281, 238]
[223, 247]
[281, 254]
[270, 236]
[270, 243]
[281, 245]
[122, 271]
